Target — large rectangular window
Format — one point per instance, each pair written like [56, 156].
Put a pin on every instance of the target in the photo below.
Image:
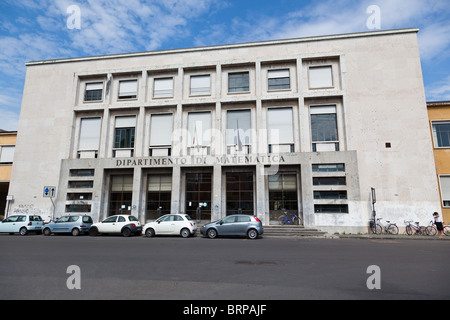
[280, 130]
[238, 131]
[7, 154]
[128, 89]
[200, 85]
[94, 91]
[159, 192]
[239, 194]
[320, 77]
[89, 137]
[238, 82]
[161, 127]
[124, 136]
[199, 128]
[324, 132]
[445, 190]
[441, 134]
[283, 192]
[163, 88]
[121, 194]
[279, 79]
[198, 195]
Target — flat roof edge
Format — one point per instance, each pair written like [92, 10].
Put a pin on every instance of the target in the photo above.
[227, 46]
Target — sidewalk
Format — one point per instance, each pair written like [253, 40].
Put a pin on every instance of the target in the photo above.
[390, 236]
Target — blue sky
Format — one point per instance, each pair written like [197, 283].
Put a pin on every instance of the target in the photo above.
[33, 30]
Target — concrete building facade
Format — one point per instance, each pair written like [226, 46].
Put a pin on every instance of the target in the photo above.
[305, 125]
[439, 115]
[7, 147]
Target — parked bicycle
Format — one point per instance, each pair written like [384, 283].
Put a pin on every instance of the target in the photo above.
[387, 227]
[432, 230]
[289, 218]
[416, 229]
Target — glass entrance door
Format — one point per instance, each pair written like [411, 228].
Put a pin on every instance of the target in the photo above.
[121, 194]
[198, 195]
[282, 195]
[159, 193]
[239, 193]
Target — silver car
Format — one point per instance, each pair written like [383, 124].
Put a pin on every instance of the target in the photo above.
[22, 224]
[234, 225]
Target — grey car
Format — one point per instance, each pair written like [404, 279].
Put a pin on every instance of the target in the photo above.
[75, 224]
[234, 225]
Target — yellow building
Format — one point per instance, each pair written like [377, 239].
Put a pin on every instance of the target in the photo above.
[439, 115]
[7, 146]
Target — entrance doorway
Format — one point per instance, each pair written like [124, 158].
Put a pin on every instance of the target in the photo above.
[198, 195]
[239, 193]
[121, 194]
[159, 193]
[283, 195]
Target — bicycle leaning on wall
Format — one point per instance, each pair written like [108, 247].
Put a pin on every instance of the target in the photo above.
[416, 229]
[379, 227]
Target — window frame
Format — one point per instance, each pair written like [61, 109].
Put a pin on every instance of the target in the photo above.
[86, 91]
[128, 97]
[330, 66]
[434, 134]
[445, 202]
[235, 88]
[269, 78]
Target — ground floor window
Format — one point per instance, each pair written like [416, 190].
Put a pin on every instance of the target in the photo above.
[239, 193]
[282, 194]
[121, 194]
[159, 193]
[198, 195]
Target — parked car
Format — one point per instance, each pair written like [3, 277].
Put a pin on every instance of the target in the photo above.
[75, 224]
[171, 224]
[22, 224]
[118, 224]
[234, 225]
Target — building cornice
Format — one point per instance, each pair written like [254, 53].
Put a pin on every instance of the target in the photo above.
[227, 46]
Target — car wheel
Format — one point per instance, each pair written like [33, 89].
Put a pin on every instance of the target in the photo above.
[185, 233]
[252, 234]
[47, 232]
[75, 232]
[126, 232]
[23, 231]
[212, 233]
[149, 233]
[93, 232]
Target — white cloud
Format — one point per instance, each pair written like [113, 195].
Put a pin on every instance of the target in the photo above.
[439, 91]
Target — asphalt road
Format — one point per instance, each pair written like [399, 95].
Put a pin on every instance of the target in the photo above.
[35, 267]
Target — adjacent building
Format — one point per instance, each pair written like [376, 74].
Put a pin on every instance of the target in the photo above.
[7, 147]
[439, 115]
[306, 126]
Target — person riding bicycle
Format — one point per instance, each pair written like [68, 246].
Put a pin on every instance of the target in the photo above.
[439, 223]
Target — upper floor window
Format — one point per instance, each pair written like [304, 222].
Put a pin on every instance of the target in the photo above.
[200, 85]
[128, 89]
[94, 91]
[163, 88]
[238, 131]
[7, 154]
[89, 137]
[324, 132]
[161, 127]
[320, 77]
[124, 136]
[441, 134]
[279, 79]
[444, 182]
[199, 128]
[238, 82]
[280, 130]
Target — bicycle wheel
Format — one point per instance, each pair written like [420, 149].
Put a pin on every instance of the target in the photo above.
[282, 219]
[447, 230]
[378, 229]
[392, 229]
[431, 230]
[409, 230]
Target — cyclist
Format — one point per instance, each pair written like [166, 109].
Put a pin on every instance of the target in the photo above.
[439, 223]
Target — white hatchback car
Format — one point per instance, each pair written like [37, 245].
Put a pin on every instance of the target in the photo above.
[171, 224]
[22, 224]
[119, 224]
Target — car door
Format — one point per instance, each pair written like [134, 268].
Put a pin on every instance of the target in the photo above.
[177, 224]
[226, 225]
[241, 225]
[121, 222]
[61, 224]
[7, 225]
[108, 225]
[163, 225]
